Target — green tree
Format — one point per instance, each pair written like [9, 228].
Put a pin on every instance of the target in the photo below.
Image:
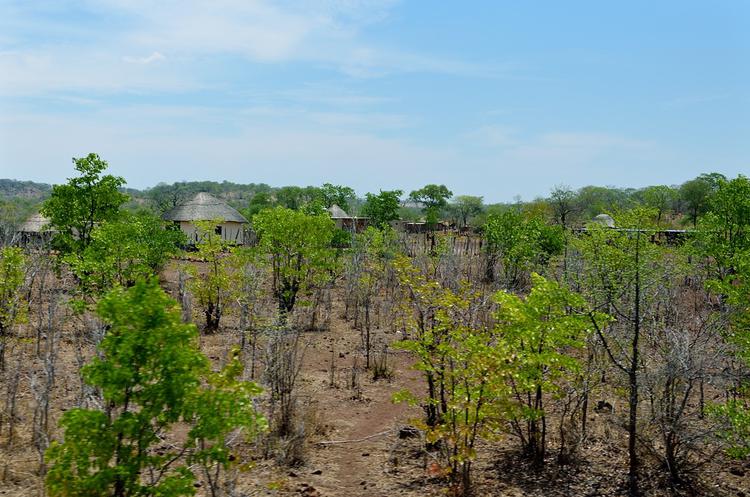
[695, 194]
[152, 376]
[383, 207]
[12, 277]
[466, 207]
[166, 197]
[543, 332]
[521, 244]
[724, 234]
[620, 275]
[366, 270]
[563, 202]
[214, 285]
[433, 199]
[77, 207]
[132, 247]
[723, 239]
[298, 198]
[300, 252]
[336, 195]
[595, 200]
[258, 202]
[464, 367]
[660, 198]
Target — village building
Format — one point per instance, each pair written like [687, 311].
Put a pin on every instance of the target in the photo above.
[346, 222]
[34, 232]
[229, 223]
[604, 220]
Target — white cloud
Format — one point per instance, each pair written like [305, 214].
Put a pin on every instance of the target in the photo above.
[40, 72]
[105, 56]
[154, 57]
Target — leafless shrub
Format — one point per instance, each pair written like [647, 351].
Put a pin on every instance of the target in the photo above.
[186, 299]
[9, 415]
[380, 368]
[42, 384]
[283, 364]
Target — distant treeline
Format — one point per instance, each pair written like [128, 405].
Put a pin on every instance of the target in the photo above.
[676, 205]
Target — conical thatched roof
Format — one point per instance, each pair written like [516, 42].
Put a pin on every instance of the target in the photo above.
[35, 224]
[337, 212]
[204, 207]
[605, 220]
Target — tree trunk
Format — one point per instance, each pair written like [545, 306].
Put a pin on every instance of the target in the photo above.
[633, 381]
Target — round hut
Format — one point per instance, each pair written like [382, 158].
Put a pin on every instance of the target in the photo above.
[229, 223]
[34, 231]
[604, 220]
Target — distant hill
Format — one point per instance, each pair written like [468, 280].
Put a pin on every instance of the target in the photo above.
[29, 190]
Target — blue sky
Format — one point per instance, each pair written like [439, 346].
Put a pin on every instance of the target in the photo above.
[492, 98]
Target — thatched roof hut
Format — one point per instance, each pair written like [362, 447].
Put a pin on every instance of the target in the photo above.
[345, 221]
[337, 212]
[35, 231]
[205, 207]
[35, 224]
[604, 220]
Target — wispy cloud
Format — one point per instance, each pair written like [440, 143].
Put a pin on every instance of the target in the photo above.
[324, 33]
[154, 57]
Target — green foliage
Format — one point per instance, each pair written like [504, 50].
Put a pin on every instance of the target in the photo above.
[259, 201]
[736, 414]
[563, 202]
[609, 259]
[12, 277]
[383, 207]
[164, 197]
[367, 269]
[433, 198]
[724, 232]
[543, 333]
[466, 207]
[298, 198]
[336, 195]
[723, 239]
[696, 193]
[215, 285]
[465, 369]
[521, 244]
[594, 200]
[121, 251]
[152, 375]
[659, 197]
[76, 208]
[299, 247]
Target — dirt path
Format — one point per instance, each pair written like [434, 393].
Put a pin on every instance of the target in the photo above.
[357, 466]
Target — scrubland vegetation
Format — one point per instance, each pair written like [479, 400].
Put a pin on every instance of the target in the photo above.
[528, 350]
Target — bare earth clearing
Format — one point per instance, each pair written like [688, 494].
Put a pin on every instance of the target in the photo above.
[353, 446]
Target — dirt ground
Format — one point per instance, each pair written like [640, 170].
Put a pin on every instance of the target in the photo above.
[356, 445]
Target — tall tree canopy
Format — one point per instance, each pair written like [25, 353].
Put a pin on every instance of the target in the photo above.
[300, 252]
[152, 375]
[383, 207]
[465, 207]
[433, 199]
[75, 208]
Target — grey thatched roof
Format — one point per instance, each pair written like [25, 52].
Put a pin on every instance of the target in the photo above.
[605, 220]
[34, 224]
[204, 207]
[337, 212]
